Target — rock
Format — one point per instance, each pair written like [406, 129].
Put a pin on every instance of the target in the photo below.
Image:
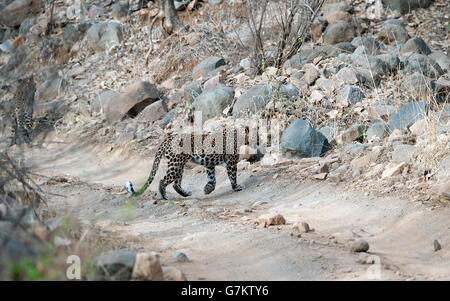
[349, 76]
[180, 257]
[192, 91]
[393, 169]
[349, 95]
[115, 265]
[337, 32]
[418, 87]
[206, 66]
[407, 115]
[442, 59]
[17, 11]
[173, 274]
[212, 103]
[359, 246]
[119, 10]
[378, 129]
[370, 43]
[416, 62]
[403, 153]
[338, 6]
[391, 32]
[104, 97]
[375, 66]
[336, 49]
[391, 60]
[212, 83]
[405, 6]
[132, 100]
[96, 11]
[26, 25]
[153, 112]
[351, 134]
[300, 139]
[147, 268]
[326, 85]
[416, 45]
[252, 100]
[436, 245]
[332, 16]
[70, 36]
[443, 190]
[168, 118]
[301, 227]
[272, 220]
[382, 112]
[49, 90]
[289, 91]
[311, 74]
[104, 35]
[329, 132]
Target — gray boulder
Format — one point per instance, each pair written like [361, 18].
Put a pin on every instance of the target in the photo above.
[300, 139]
[168, 118]
[407, 115]
[379, 129]
[132, 101]
[212, 103]
[192, 91]
[391, 60]
[350, 95]
[207, 66]
[391, 32]
[337, 32]
[115, 265]
[49, 90]
[104, 35]
[153, 112]
[405, 6]
[442, 59]
[417, 45]
[372, 45]
[403, 153]
[253, 100]
[416, 62]
[17, 11]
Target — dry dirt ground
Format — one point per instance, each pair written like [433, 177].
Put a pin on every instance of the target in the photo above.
[219, 233]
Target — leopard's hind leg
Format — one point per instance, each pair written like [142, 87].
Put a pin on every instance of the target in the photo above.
[211, 185]
[174, 174]
[232, 172]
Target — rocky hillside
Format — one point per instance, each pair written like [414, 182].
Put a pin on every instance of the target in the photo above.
[364, 101]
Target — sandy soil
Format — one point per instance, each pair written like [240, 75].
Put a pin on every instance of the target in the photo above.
[219, 233]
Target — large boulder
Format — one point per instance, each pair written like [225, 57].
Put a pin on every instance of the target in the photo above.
[206, 66]
[131, 101]
[405, 6]
[253, 100]
[417, 45]
[17, 11]
[212, 103]
[416, 62]
[392, 32]
[153, 112]
[104, 35]
[300, 139]
[407, 115]
[115, 265]
[337, 32]
[372, 45]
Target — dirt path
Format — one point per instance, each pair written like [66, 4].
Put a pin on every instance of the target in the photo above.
[219, 235]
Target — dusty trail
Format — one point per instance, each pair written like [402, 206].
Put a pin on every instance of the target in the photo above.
[219, 234]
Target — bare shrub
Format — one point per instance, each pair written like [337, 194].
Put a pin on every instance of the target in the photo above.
[290, 20]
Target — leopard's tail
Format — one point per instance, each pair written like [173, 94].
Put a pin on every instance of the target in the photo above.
[149, 181]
